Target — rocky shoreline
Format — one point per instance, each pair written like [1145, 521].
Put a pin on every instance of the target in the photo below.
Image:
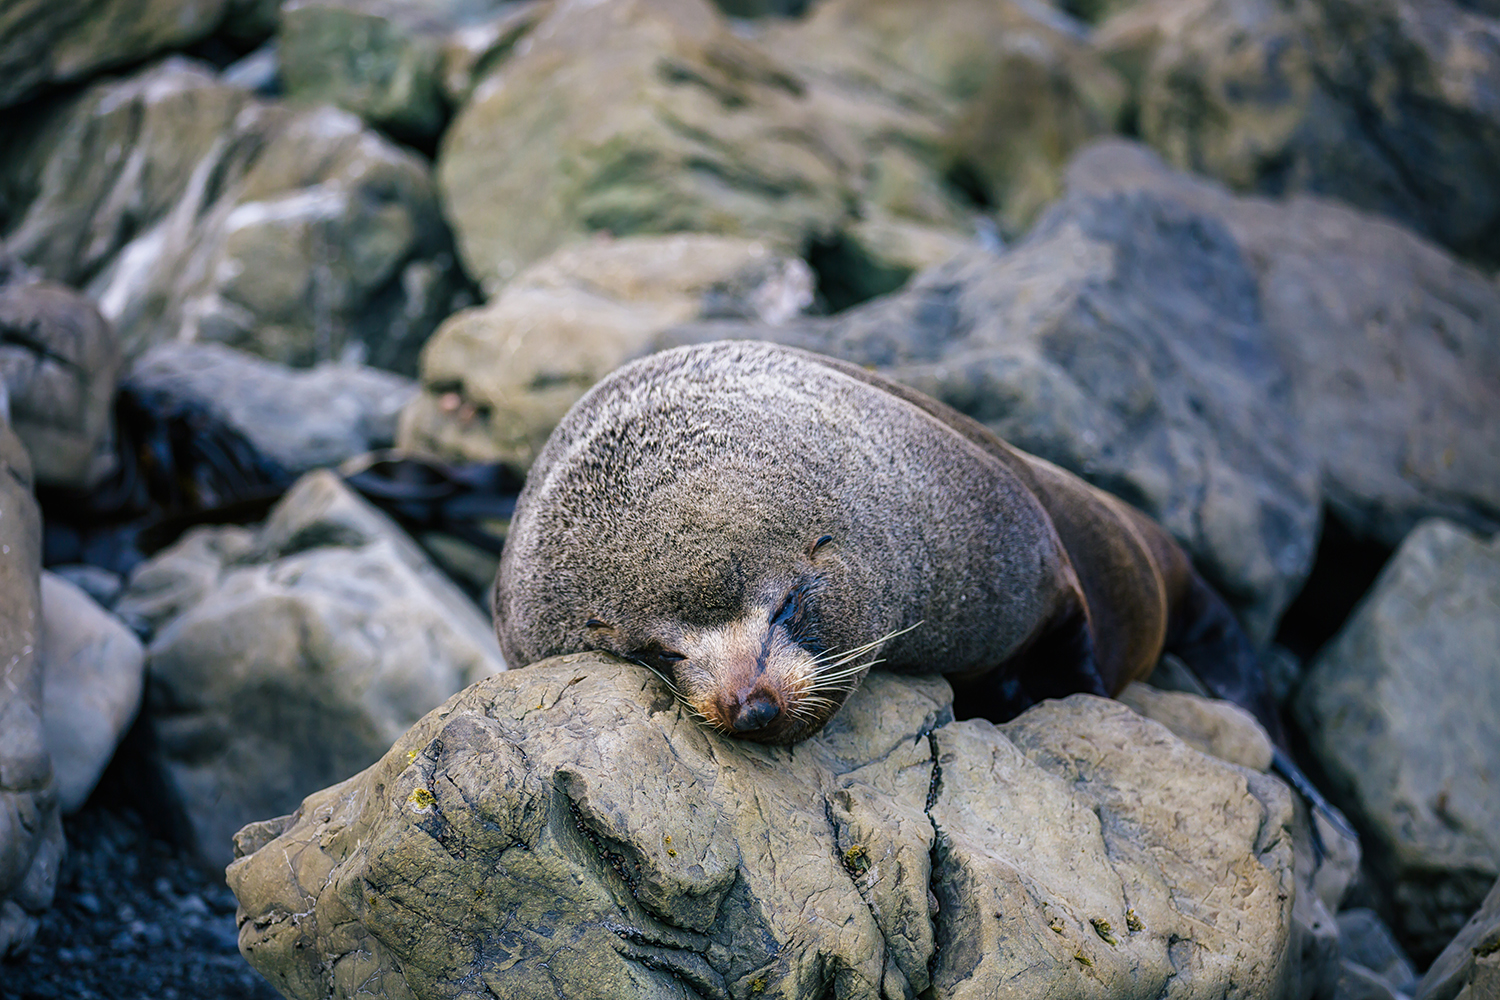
[292, 293]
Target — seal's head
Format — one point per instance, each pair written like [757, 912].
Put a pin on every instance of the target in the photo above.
[765, 668]
[685, 516]
[759, 527]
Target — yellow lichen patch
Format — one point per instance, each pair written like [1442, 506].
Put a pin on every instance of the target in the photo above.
[411, 755]
[1104, 930]
[1056, 925]
[667, 840]
[857, 859]
[757, 986]
[1132, 921]
[422, 799]
[1081, 958]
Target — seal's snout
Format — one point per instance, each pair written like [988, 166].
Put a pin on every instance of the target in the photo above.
[747, 714]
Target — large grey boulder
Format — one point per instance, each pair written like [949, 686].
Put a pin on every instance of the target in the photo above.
[1393, 347]
[1400, 711]
[299, 657]
[569, 829]
[93, 670]
[1386, 104]
[45, 42]
[301, 418]
[497, 379]
[192, 210]
[1123, 339]
[31, 836]
[1469, 968]
[59, 361]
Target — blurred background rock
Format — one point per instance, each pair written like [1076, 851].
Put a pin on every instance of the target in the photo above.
[1233, 261]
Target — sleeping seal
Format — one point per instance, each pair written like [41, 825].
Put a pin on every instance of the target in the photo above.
[759, 525]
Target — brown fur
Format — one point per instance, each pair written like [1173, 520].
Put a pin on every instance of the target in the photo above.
[678, 517]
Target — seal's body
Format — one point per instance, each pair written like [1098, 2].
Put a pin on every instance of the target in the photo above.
[759, 524]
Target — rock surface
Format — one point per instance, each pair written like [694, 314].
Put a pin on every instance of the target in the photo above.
[497, 379]
[1389, 105]
[1372, 963]
[303, 419]
[290, 657]
[93, 670]
[1469, 968]
[1399, 709]
[379, 59]
[31, 837]
[665, 120]
[1393, 346]
[500, 843]
[1218, 728]
[193, 210]
[59, 361]
[1012, 88]
[43, 43]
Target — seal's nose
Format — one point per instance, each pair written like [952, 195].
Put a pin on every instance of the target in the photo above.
[755, 712]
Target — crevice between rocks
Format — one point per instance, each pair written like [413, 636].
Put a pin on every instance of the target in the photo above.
[934, 914]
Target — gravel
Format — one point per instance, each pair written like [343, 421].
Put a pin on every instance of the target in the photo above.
[134, 919]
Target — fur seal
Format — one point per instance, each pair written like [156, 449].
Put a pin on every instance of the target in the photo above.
[759, 525]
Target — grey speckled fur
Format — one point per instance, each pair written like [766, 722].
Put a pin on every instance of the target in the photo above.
[681, 501]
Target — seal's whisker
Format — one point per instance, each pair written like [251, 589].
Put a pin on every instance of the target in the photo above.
[834, 658]
[841, 681]
[668, 682]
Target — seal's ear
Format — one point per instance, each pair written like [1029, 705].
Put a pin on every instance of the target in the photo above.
[812, 549]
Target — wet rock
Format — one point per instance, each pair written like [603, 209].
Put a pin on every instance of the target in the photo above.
[296, 660]
[55, 43]
[1393, 347]
[193, 210]
[1387, 105]
[303, 419]
[1122, 339]
[1469, 967]
[1399, 709]
[59, 361]
[31, 837]
[668, 122]
[382, 60]
[497, 379]
[499, 842]
[93, 670]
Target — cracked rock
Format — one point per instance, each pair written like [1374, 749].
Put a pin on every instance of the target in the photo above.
[569, 830]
